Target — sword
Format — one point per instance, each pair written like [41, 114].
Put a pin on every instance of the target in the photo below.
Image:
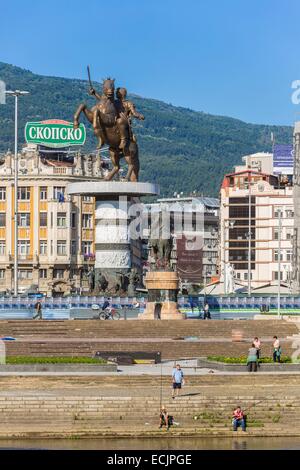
[89, 76]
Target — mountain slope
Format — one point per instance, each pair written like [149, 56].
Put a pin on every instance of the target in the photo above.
[181, 149]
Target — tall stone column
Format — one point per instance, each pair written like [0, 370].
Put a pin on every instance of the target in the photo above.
[113, 243]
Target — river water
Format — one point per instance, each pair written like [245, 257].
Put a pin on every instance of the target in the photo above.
[163, 443]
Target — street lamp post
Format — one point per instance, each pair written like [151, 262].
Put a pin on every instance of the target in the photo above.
[16, 94]
[249, 240]
[226, 248]
[224, 258]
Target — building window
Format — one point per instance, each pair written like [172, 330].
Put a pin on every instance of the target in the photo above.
[43, 193]
[2, 219]
[24, 219]
[43, 219]
[61, 247]
[276, 255]
[289, 255]
[87, 220]
[58, 273]
[2, 247]
[43, 247]
[246, 276]
[277, 211]
[289, 213]
[289, 233]
[2, 194]
[86, 248]
[61, 219]
[24, 274]
[2, 273]
[59, 193]
[73, 219]
[276, 234]
[23, 193]
[275, 275]
[73, 247]
[43, 273]
[23, 247]
[87, 198]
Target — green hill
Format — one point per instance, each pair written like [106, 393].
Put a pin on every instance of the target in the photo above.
[181, 149]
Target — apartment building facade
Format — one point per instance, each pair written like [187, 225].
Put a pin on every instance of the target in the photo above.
[55, 232]
[258, 204]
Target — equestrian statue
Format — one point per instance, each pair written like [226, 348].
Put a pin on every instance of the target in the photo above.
[111, 120]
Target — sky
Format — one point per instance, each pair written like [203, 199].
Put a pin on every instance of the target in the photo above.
[236, 58]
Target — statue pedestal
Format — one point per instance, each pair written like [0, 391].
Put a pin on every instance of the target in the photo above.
[162, 296]
[116, 250]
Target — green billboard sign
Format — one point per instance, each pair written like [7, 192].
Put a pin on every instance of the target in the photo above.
[54, 133]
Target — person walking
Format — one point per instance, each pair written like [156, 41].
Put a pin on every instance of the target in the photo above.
[276, 349]
[252, 359]
[206, 311]
[178, 380]
[38, 309]
[257, 344]
[238, 419]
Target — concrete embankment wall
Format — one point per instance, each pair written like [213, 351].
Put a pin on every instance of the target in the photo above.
[99, 406]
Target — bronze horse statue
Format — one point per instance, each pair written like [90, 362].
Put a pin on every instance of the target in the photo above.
[109, 119]
[161, 241]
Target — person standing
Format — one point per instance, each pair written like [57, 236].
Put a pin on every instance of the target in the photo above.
[257, 344]
[178, 380]
[276, 349]
[38, 309]
[238, 419]
[206, 311]
[252, 359]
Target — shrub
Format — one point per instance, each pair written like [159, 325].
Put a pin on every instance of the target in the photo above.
[53, 360]
[243, 359]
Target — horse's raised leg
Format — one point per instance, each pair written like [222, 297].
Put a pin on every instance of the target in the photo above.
[97, 128]
[115, 159]
[79, 110]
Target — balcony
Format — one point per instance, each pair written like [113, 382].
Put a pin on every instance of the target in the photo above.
[87, 258]
[25, 259]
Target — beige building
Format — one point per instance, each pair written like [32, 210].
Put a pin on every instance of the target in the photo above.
[201, 266]
[260, 161]
[268, 197]
[56, 232]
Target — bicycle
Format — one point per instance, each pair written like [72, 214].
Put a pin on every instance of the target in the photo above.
[109, 314]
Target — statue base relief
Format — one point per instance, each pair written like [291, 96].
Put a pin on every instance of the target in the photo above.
[162, 296]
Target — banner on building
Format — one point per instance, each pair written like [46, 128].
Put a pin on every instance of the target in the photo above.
[189, 260]
[283, 159]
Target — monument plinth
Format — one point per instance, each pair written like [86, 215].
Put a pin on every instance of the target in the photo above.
[162, 289]
[113, 238]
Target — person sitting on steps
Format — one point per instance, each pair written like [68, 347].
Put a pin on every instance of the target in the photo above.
[238, 419]
[165, 419]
